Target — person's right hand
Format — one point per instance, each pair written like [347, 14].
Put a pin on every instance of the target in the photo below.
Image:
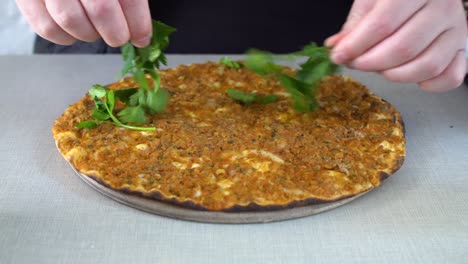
[65, 21]
[409, 41]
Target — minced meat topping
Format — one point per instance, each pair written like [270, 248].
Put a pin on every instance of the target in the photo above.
[213, 152]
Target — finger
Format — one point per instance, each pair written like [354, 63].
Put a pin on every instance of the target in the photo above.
[332, 40]
[70, 16]
[384, 19]
[431, 63]
[138, 18]
[407, 42]
[451, 78]
[42, 23]
[359, 9]
[108, 19]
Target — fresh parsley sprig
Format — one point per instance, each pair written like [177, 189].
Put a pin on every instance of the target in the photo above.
[230, 63]
[147, 98]
[250, 98]
[104, 100]
[303, 85]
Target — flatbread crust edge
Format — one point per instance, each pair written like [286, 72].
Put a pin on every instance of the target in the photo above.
[252, 207]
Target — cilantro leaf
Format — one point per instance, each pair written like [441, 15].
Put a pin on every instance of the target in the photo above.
[229, 63]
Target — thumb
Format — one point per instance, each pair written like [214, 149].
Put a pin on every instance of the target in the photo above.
[358, 11]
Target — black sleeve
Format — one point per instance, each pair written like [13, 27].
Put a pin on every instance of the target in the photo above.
[213, 26]
[43, 46]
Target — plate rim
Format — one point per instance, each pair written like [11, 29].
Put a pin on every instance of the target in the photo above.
[177, 212]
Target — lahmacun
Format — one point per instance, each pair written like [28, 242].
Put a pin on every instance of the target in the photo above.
[210, 152]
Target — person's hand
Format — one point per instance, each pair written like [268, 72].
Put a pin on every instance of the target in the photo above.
[65, 21]
[412, 41]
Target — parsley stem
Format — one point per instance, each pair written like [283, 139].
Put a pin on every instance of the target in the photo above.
[135, 127]
[118, 123]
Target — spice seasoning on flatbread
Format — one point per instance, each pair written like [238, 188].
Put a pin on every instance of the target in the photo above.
[214, 153]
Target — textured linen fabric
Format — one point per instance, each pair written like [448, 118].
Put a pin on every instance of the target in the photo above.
[48, 215]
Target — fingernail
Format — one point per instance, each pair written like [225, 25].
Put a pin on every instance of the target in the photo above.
[330, 40]
[339, 57]
[143, 42]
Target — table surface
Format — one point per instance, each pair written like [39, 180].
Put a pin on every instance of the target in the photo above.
[48, 215]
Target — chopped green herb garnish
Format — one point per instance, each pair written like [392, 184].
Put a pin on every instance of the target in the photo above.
[230, 63]
[147, 98]
[104, 101]
[249, 98]
[302, 87]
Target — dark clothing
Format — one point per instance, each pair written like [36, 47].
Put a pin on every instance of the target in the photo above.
[214, 26]
[99, 47]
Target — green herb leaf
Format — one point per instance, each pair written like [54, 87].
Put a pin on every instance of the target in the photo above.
[302, 94]
[313, 71]
[292, 83]
[303, 85]
[249, 98]
[156, 79]
[98, 91]
[124, 94]
[139, 101]
[267, 99]
[99, 114]
[87, 124]
[137, 98]
[110, 101]
[133, 114]
[128, 54]
[140, 78]
[261, 62]
[246, 98]
[154, 54]
[229, 63]
[159, 41]
[156, 100]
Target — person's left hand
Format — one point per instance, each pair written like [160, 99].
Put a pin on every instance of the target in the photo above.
[416, 41]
